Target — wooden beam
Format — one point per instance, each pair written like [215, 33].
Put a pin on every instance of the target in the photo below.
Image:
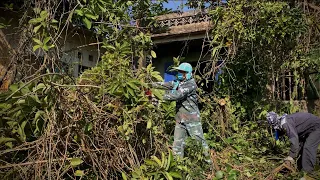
[181, 38]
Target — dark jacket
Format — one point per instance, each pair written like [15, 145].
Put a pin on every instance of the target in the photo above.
[297, 127]
[185, 97]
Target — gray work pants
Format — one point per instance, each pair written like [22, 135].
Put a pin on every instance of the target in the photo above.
[309, 151]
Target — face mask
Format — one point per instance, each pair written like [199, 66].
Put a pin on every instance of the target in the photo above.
[180, 76]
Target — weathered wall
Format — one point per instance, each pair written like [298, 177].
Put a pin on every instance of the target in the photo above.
[78, 43]
[73, 41]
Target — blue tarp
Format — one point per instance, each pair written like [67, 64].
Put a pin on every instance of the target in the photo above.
[168, 76]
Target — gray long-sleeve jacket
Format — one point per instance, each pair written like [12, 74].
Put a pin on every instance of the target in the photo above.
[298, 125]
[185, 97]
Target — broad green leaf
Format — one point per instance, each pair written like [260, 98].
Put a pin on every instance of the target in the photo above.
[109, 47]
[169, 177]
[232, 177]
[36, 47]
[36, 29]
[43, 14]
[102, 8]
[149, 123]
[45, 47]
[156, 75]
[89, 127]
[6, 139]
[170, 158]
[125, 94]
[54, 21]
[9, 145]
[46, 40]
[40, 86]
[17, 114]
[153, 54]
[150, 163]
[219, 174]
[149, 67]
[35, 98]
[79, 12]
[21, 132]
[5, 106]
[35, 20]
[23, 124]
[12, 123]
[124, 176]
[79, 173]
[37, 41]
[14, 87]
[13, 111]
[76, 161]
[156, 159]
[38, 114]
[175, 174]
[51, 46]
[131, 92]
[129, 3]
[184, 168]
[91, 16]
[157, 93]
[87, 23]
[39, 125]
[132, 85]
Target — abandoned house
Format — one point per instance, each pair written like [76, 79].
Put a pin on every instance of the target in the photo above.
[187, 36]
[79, 48]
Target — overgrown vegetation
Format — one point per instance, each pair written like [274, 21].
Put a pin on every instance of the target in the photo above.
[101, 125]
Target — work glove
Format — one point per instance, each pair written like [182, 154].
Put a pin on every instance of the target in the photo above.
[289, 161]
[151, 97]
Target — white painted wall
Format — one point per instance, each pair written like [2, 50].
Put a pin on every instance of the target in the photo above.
[71, 57]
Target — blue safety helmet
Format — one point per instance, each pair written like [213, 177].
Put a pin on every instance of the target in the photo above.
[275, 120]
[186, 67]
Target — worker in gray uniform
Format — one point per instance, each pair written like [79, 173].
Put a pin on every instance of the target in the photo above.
[303, 131]
[183, 91]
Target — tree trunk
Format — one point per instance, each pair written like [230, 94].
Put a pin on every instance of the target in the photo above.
[7, 63]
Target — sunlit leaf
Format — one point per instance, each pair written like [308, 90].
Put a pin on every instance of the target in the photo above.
[6, 139]
[91, 16]
[124, 176]
[36, 29]
[87, 23]
[36, 47]
[43, 14]
[79, 173]
[175, 174]
[149, 123]
[79, 12]
[46, 40]
[219, 174]
[153, 54]
[37, 41]
[76, 161]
